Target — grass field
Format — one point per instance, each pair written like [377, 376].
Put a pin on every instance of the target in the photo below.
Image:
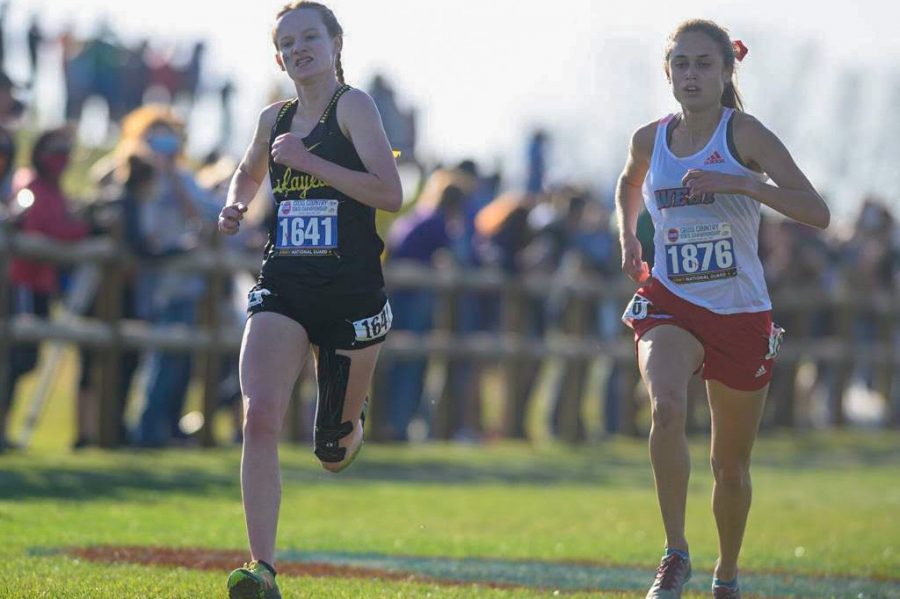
[825, 505]
[445, 521]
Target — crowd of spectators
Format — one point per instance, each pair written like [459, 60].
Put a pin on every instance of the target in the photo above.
[163, 203]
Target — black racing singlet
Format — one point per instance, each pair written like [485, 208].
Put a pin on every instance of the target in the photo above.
[321, 238]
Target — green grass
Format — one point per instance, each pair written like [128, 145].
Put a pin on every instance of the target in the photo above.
[824, 504]
[835, 496]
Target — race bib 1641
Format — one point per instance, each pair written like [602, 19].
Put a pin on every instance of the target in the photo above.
[307, 228]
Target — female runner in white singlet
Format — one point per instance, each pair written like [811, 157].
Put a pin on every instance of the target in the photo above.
[702, 175]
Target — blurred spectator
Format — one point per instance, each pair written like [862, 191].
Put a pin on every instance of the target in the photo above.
[78, 72]
[400, 126]
[505, 232]
[34, 40]
[537, 162]
[120, 218]
[421, 236]
[7, 160]
[870, 261]
[796, 256]
[134, 78]
[44, 210]
[104, 67]
[163, 222]
[560, 246]
[189, 80]
[12, 110]
[4, 8]
[461, 395]
[226, 97]
[590, 253]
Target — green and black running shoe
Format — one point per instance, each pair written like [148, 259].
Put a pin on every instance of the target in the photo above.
[253, 581]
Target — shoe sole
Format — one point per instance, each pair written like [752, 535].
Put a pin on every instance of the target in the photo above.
[362, 424]
[351, 459]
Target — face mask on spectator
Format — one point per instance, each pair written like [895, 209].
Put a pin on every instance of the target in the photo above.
[166, 144]
[54, 164]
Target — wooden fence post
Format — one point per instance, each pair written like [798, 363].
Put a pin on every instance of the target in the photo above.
[107, 370]
[513, 308]
[845, 307]
[445, 413]
[573, 373]
[884, 371]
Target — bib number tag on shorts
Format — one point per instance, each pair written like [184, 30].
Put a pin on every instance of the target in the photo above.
[307, 228]
[636, 309]
[776, 337]
[374, 326]
[700, 252]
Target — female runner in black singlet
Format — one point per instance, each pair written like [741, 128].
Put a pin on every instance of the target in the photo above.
[321, 285]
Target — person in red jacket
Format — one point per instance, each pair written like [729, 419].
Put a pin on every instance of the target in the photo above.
[45, 211]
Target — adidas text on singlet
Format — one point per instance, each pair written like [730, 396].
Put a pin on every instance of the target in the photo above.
[321, 238]
[706, 247]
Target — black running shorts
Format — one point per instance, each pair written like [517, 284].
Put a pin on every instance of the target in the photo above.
[338, 321]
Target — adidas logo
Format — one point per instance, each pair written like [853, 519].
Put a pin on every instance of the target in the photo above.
[760, 372]
[714, 158]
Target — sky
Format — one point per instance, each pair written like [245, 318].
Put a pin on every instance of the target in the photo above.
[483, 73]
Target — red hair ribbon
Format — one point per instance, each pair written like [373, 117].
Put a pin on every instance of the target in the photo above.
[740, 50]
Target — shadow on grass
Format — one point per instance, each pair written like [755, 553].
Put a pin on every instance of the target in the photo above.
[621, 465]
[840, 450]
[79, 485]
[213, 473]
[525, 471]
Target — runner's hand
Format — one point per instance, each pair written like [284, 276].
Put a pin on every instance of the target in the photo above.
[702, 182]
[636, 269]
[230, 218]
[288, 149]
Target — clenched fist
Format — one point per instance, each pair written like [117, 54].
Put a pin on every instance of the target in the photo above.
[230, 218]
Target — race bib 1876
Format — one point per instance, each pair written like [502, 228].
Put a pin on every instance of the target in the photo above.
[700, 252]
[307, 228]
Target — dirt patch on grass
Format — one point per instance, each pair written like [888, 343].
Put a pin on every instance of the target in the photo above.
[227, 560]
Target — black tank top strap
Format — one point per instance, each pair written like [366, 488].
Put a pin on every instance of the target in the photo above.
[289, 109]
[283, 120]
[329, 110]
[282, 125]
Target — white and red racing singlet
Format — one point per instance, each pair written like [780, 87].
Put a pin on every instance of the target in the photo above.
[706, 247]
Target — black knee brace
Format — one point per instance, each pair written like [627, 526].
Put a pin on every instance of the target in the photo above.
[333, 372]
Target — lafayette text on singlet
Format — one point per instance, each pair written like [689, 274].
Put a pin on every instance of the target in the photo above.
[321, 238]
[706, 247]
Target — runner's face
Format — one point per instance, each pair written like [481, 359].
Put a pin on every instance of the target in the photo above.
[696, 71]
[304, 47]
